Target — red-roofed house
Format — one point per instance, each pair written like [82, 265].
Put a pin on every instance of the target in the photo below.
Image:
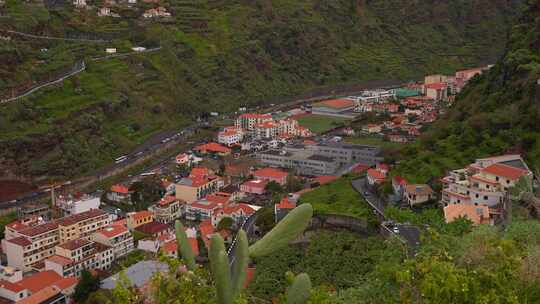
[50, 294]
[254, 187]
[203, 209]
[199, 184]
[271, 174]
[136, 219]
[213, 148]
[438, 91]
[170, 248]
[283, 208]
[399, 184]
[116, 236]
[119, 193]
[359, 168]
[154, 229]
[237, 211]
[230, 137]
[375, 177]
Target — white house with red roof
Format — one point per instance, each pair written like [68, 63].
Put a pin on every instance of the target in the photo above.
[119, 193]
[484, 182]
[398, 185]
[283, 208]
[238, 212]
[438, 90]
[204, 208]
[230, 136]
[200, 183]
[271, 175]
[212, 148]
[118, 237]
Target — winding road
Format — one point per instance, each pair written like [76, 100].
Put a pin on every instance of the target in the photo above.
[53, 38]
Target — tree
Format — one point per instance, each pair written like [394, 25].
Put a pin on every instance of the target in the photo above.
[225, 223]
[294, 184]
[274, 188]
[146, 192]
[265, 219]
[86, 286]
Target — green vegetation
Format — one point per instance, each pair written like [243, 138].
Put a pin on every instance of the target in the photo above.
[6, 219]
[338, 198]
[132, 258]
[320, 123]
[87, 285]
[496, 113]
[217, 55]
[373, 140]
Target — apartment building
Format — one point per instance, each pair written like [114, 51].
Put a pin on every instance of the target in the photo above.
[167, 210]
[302, 162]
[31, 245]
[230, 136]
[248, 121]
[204, 208]
[117, 237]
[238, 212]
[82, 225]
[485, 182]
[197, 186]
[76, 255]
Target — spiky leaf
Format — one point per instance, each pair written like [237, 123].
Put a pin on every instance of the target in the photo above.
[241, 262]
[184, 248]
[299, 291]
[284, 232]
[219, 264]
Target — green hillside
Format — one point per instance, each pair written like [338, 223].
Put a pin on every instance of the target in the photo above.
[216, 55]
[497, 113]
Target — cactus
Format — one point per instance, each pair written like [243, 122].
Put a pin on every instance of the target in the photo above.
[228, 288]
[219, 264]
[183, 246]
[284, 232]
[299, 291]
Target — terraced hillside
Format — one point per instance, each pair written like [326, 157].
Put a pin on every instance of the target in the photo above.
[215, 55]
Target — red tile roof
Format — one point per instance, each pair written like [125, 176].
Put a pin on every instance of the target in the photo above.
[113, 231]
[13, 287]
[376, 174]
[213, 147]
[335, 103]
[477, 214]
[171, 246]
[399, 180]
[167, 200]
[66, 283]
[17, 225]
[141, 215]
[21, 241]
[41, 296]
[218, 199]
[60, 260]
[74, 244]
[153, 228]
[40, 280]
[249, 276]
[510, 172]
[120, 189]
[199, 172]
[39, 229]
[270, 173]
[73, 219]
[285, 204]
[359, 168]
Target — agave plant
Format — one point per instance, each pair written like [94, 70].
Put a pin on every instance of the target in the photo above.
[229, 284]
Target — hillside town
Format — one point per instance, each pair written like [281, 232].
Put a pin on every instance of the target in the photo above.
[263, 161]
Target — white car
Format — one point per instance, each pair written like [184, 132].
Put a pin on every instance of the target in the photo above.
[396, 230]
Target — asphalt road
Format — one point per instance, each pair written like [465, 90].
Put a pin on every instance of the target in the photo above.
[404, 231]
[249, 228]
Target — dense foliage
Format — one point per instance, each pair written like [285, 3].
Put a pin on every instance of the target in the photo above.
[215, 55]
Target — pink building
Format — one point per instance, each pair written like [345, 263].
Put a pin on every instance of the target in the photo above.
[254, 187]
[271, 175]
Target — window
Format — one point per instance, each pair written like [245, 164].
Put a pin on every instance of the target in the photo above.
[485, 197]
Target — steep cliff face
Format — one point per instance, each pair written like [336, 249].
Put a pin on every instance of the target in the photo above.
[497, 113]
[217, 55]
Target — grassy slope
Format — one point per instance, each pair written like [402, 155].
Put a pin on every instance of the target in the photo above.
[249, 52]
[339, 198]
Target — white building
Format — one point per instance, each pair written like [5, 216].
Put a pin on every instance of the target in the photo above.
[73, 257]
[74, 205]
[230, 136]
